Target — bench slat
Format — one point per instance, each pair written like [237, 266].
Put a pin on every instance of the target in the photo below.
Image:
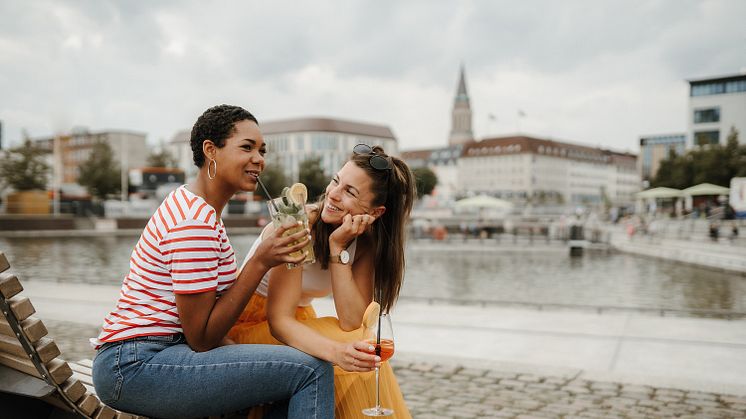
[73, 388]
[10, 286]
[58, 369]
[21, 307]
[86, 363]
[4, 265]
[88, 404]
[104, 412]
[32, 326]
[45, 347]
[87, 380]
[82, 369]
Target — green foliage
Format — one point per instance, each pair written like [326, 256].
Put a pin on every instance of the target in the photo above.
[274, 179]
[425, 180]
[311, 174]
[714, 164]
[162, 158]
[23, 168]
[100, 174]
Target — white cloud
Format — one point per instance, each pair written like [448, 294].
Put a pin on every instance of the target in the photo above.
[597, 73]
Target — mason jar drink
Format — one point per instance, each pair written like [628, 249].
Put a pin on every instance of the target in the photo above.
[290, 210]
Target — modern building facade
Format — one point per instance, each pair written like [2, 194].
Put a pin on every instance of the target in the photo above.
[715, 105]
[656, 148]
[523, 169]
[291, 141]
[129, 149]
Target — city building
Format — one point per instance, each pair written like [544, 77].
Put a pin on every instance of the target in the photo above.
[443, 162]
[180, 148]
[461, 117]
[291, 141]
[715, 105]
[129, 149]
[656, 148]
[522, 169]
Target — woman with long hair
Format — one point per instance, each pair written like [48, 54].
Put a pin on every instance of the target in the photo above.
[162, 351]
[358, 233]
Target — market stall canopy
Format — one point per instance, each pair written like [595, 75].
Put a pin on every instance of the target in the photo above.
[660, 192]
[706, 189]
[483, 202]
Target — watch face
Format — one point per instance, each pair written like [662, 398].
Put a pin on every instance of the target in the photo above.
[344, 257]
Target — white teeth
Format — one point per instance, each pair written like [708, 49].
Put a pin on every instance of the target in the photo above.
[332, 207]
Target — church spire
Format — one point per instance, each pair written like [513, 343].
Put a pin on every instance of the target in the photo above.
[461, 92]
[461, 115]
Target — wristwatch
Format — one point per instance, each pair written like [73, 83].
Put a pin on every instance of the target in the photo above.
[343, 257]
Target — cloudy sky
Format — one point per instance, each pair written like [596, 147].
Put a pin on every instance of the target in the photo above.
[592, 72]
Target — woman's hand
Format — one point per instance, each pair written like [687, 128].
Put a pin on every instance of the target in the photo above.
[352, 226]
[356, 357]
[276, 249]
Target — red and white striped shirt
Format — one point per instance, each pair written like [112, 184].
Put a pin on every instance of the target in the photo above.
[183, 250]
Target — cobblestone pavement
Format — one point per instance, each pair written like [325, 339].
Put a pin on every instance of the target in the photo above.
[440, 391]
[451, 391]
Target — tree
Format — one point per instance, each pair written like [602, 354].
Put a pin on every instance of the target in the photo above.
[162, 158]
[23, 168]
[712, 164]
[311, 174]
[425, 180]
[100, 174]
[274, 179]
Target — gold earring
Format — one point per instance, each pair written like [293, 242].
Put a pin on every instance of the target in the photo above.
[208, 169]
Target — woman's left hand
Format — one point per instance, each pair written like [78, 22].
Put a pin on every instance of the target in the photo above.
[352, 226]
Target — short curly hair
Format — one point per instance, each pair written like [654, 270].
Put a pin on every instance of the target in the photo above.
[216, 124]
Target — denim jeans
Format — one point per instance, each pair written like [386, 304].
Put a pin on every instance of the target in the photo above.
[161, 376]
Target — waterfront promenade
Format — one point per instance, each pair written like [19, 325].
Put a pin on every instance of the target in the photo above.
[468, 361]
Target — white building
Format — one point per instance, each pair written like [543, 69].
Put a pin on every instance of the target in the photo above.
[291, 141]
[546, 171]
[715, 105]
[129, 149]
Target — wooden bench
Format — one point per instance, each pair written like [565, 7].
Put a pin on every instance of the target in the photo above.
[34, 381]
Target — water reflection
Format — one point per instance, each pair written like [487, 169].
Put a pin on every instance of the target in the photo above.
[548, 277]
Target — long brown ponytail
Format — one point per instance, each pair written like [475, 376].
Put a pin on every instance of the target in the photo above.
[394, 189]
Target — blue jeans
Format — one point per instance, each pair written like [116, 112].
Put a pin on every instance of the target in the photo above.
[161, 376]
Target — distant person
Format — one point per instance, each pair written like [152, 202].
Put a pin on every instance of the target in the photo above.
[163, 350]
[358, 232]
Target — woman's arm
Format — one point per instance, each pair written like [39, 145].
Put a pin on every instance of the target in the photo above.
[283, 297]
[352, 285]
[206, 319]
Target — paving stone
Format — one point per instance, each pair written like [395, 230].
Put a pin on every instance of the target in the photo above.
[472, 372]
[529, 378]
[451, 392]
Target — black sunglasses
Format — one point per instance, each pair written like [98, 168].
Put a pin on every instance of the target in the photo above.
[376, 161]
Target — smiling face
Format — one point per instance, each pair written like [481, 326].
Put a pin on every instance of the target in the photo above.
[349, 192]
[241, 160]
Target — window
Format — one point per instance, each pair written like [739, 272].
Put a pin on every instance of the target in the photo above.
[707, 137]
[706, 115]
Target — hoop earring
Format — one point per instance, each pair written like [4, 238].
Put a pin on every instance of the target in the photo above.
[208, 169]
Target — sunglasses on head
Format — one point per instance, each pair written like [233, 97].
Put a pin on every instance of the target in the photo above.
[376, 161]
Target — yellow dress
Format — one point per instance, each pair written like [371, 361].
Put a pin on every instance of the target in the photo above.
[353, 391]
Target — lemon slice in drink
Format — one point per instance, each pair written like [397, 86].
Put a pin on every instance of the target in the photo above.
[371, 314]
[298, 194]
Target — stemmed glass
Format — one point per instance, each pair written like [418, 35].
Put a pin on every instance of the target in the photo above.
[381, 336]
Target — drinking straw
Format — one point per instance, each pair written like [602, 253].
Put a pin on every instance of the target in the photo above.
[266, 192]
[378, 336]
